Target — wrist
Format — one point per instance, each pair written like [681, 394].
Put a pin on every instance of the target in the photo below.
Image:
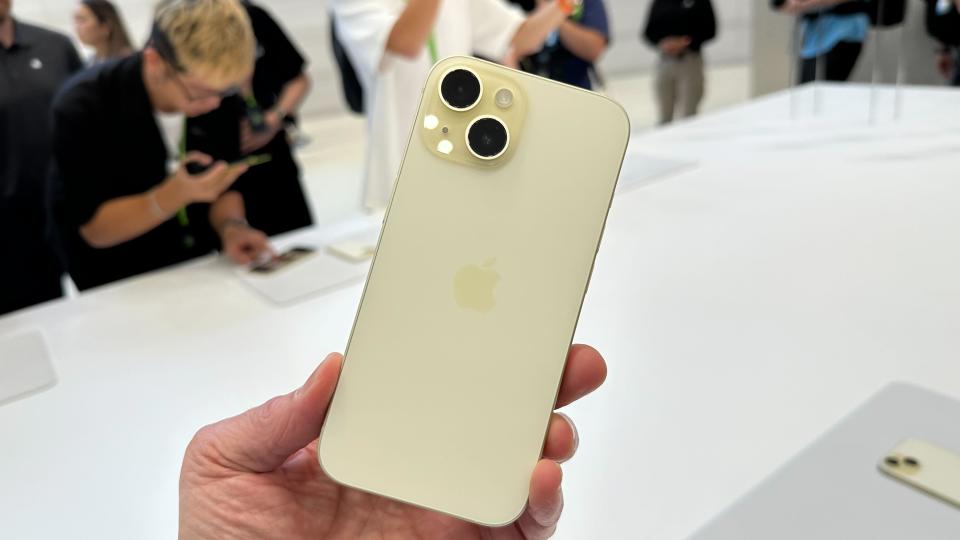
[275, 117]
[226, 225]
[167, 198]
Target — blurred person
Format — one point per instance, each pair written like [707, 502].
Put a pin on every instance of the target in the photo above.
[256, 476]
[254, 122]
[832, 34]
[943, 24]
[392, 44]
[34, 62]
[98, 24]
[570, 52]
[127, 203]
[678, 29]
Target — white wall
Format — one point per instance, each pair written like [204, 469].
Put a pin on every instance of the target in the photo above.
[306, 20]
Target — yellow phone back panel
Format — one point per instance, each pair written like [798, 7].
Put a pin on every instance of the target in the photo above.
[459, 344]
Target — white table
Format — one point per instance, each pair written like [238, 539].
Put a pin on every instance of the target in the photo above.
[744, 305]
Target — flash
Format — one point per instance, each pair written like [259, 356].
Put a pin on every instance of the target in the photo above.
[431, 122]
[504, 98]
[445, 147]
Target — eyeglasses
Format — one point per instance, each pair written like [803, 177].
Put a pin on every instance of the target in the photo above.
[161, 43]
[205, 94]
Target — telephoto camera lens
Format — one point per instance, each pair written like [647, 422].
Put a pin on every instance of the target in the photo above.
[487, 137]
[460, 89]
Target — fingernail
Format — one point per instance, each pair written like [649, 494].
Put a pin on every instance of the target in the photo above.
[576, 437]
[313, 376]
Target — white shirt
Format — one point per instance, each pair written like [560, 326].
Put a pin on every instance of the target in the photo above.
[171, 131]
[392, 84]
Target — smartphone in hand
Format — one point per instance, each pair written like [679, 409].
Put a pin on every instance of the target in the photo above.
[459, 344]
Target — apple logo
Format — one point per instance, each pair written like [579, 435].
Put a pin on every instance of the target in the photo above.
[473, 286]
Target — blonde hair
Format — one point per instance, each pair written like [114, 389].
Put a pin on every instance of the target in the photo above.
[211, 38]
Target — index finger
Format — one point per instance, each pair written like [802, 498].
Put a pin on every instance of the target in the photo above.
[585, 372]
[197, 157]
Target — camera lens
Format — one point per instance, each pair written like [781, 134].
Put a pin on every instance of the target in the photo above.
[460, 89]
[487, 137]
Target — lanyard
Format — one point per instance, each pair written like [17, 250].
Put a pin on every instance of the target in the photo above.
[182, 217]
[432, 47]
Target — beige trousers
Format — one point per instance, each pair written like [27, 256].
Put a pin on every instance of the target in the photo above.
[679, 85]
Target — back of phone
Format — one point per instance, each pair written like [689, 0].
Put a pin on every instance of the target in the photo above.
[459, 344]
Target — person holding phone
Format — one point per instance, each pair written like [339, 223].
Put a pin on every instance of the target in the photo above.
[392, 44]
[127, 203]
[254, 123]
[256, 475]
[34, 62]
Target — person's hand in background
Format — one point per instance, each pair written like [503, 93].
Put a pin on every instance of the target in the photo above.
[674, 45]
[183, 188]
[257, 476]
[251, 141]
[799, 7]
[945, 63]
[242, 243]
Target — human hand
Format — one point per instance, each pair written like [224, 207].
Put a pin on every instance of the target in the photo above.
[183, 188]
[945, 64]
[674, 45]
[794, 7]
[257, 476]
[242, 243]
[799, 7]
[251, 141]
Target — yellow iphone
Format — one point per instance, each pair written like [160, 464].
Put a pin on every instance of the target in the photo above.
[927, 467]
[457, 351]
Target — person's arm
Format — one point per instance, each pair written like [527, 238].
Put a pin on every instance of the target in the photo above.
[288, 70]
[799, 7]
[534, 31]
[291, 97]
[653, 31]
[709, 25]
[409, 34]
[586, 43]
[240, 241]
[588, 37]
[122, 219]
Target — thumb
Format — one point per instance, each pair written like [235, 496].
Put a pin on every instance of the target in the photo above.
[261, 439]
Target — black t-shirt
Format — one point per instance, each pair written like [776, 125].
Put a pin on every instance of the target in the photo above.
[274, 199]
[107, 145]
[278, 60]
[694, 18]
[31, 71]
[943, 22]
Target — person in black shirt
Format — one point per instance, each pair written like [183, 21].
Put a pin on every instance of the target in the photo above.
[34, 62]
[943, 24]
[119, 131]
[254, 123]
[678, 29]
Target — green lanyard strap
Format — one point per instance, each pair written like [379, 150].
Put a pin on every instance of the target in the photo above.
[182, 217]
[432, 48]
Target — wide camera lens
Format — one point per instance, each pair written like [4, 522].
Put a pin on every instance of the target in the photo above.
[460, 89]
[487, 137]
